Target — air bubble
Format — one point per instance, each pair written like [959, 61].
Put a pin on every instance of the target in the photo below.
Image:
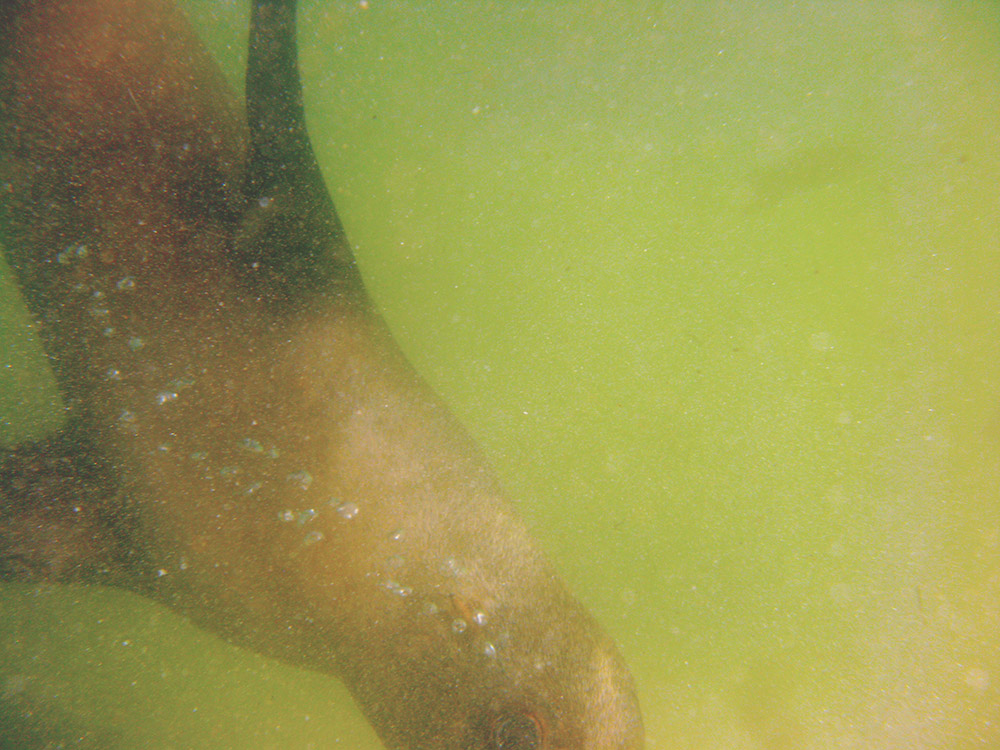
[180, 384]
[306, 516]
[71, 253]
[479, 618]
[313, 537]
[490, 651]
[302, 478]
[253, 487]
[125, 283]
[286, 515]
[397, 588]
[136, 343]
[458, 625]
[165, 397]
[347, 510]
[252, 445]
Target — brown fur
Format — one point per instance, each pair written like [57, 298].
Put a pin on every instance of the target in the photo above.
[280, 475]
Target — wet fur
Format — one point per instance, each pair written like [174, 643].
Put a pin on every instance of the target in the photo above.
[246, 443]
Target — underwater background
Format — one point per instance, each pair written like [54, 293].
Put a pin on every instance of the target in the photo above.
[716, 286]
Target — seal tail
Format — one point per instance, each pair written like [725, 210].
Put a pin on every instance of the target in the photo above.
[290, 240]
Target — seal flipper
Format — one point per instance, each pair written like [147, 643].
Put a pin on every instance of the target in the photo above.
[60, 514]
[290, 239]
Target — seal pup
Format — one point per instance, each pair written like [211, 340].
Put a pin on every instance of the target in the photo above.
[245, 443]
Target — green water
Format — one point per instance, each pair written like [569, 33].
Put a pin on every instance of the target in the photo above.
[717, 287]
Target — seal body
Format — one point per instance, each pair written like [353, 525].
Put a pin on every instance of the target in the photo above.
[245, 442]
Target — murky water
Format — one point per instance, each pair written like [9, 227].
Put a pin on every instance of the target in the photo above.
[717, 287]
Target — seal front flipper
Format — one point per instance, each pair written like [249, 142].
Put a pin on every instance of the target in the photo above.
[290, 241]
[61, 514]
